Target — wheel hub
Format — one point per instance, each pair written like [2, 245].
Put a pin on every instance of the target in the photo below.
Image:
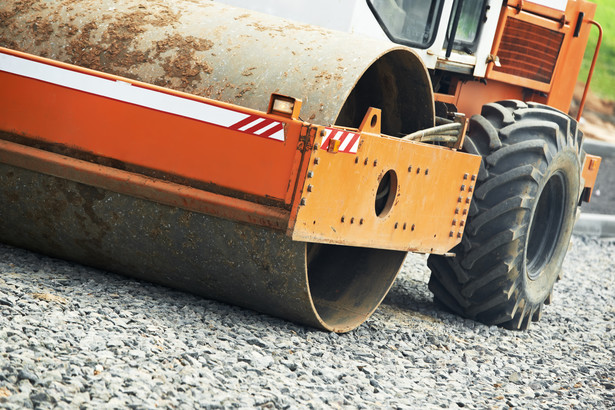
[545, 229]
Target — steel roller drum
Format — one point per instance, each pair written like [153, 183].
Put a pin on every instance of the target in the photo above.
[230, 55]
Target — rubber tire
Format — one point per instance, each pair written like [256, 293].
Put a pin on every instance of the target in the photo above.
[521, 217]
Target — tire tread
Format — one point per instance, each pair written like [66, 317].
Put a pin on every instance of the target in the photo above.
[483, 281]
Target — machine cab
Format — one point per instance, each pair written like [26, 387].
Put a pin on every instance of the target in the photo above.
[529, 50]
[427, 26]
[447, 34]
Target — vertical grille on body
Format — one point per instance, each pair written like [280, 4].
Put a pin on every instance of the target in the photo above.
[528, 50]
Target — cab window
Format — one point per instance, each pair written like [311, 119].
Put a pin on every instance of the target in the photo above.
[468, 29]
[410, 22]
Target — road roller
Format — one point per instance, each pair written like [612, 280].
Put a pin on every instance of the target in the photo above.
[285, 156]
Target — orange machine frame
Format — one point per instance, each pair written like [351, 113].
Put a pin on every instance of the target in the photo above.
[305, 182]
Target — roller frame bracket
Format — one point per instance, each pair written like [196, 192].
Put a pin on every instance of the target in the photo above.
[427, 214]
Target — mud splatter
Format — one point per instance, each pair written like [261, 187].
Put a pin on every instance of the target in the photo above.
[164, 17]
[22, 7]
[274, 30]
[82, 52]
[42, 31]
[177, 42]
[248, 71]
[5, 42]
[183, 65]
[119, 37]
[5, 16]
[115, 52]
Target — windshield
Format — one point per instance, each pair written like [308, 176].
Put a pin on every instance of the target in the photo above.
[410, 22]
[468, 28]
[415, 22]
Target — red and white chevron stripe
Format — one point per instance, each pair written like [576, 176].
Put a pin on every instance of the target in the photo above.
[261, 127]
[349, 140]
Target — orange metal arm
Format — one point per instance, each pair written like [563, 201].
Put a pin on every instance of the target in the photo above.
[141, 186]
[591, 68]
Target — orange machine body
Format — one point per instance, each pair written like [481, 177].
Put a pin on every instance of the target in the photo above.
[536, 56]
[267, 169]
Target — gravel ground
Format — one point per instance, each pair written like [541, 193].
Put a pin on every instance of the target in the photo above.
[71, 336]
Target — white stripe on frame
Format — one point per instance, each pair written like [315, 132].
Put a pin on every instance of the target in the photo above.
[121, 91]
[266, 128]
[347, 140]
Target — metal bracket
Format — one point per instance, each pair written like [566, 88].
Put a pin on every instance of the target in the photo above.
[494, 59]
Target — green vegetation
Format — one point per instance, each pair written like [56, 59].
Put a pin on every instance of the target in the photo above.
[603, 82]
